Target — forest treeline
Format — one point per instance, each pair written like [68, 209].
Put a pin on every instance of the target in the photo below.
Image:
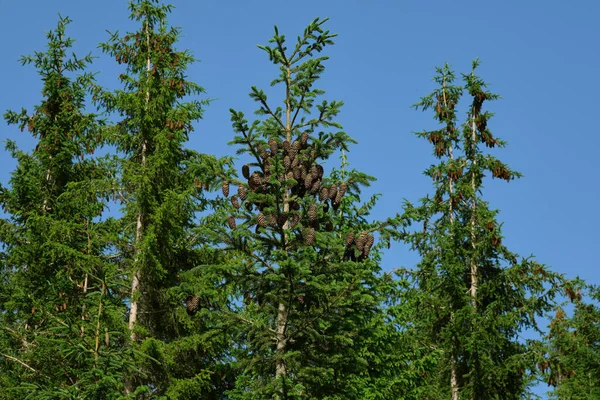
[262, 279]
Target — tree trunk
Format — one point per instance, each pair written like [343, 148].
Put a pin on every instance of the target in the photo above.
[282, 311]
[453, 367]
[139, 231]
[474, 269]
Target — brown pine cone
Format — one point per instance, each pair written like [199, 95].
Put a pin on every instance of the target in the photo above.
[368, 244]
[295, 162]
[225, 189]
[235, 202]
[242, 192]
[294, 221]
[287, 163]
[343, 189]
[360, 241]
[273, 146]
[320, 171]
[316, 186]
[308, 181]
[332, 192]
[304, 138]
[256, 179]
[246, 171]
[349, 238]
[192, 304]
[312, 212]
[231, 222]
[261, 220]
[309, 236]
[286, 146]
[324, 194]
[272, 220]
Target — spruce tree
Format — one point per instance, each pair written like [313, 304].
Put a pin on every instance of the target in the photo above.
[163, 184]
[474, 296]
[303, 262]
[572, 362]
[62, 332]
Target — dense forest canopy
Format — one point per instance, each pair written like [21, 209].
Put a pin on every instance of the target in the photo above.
[138, 262]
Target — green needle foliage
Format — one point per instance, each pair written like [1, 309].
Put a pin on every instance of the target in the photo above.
[308, 282]
[62, 332]
[162, 186]
[572, 363]
[475, 298]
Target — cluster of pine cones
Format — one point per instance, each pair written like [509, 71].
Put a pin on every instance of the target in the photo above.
[192, 304]
[293, 165]
[360, 244]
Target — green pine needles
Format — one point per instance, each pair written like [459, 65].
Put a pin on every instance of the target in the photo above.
[206, 283]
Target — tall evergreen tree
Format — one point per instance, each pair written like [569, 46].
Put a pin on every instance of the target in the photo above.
[163, 185]
[62, 333]
[572, 362]
[309, 282]
[473, 295]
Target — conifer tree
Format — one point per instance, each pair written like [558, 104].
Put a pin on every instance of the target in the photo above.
[163, 184]
[62, 332]
[304, 262]
[572, 362]
[474, 296]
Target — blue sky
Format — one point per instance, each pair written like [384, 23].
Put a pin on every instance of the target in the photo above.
[540, 56]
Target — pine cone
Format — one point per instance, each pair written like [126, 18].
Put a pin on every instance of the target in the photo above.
[192, 304]
[332, 192]
[304, 138]
[272, 220]
[349, 238]
[246, 171]
[235, 202]
[225, 189]
[303, 172]
[368, 244]
[287, 163]
[295, 161]
[256, 179]
[308, 181]
[316, 186]
[324, 194]
[242, 192]
[343, 189]
[338, 197]
[298, 173]
[309, 236]
[273, 146]
[261, 220]
[360, 241]
[312, 212]
[286, 146]
[320, 171]
[231, 222]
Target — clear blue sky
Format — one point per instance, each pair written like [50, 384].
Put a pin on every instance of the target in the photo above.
[542, 57]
